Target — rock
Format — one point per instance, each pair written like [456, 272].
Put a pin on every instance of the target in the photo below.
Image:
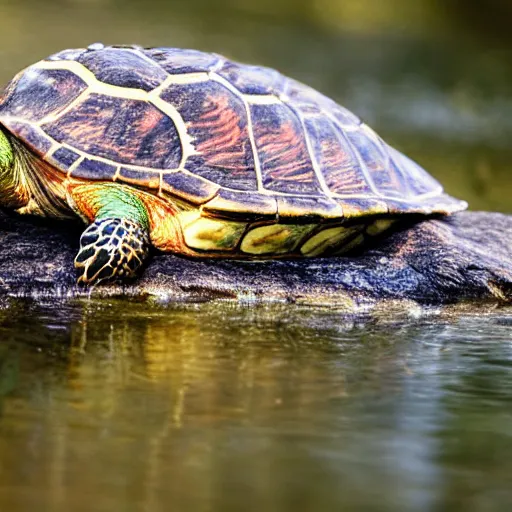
[437, 261]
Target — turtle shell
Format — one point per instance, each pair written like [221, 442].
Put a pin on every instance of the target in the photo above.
[234, 138]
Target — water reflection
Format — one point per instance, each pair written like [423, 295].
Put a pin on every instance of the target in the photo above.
[218, 407]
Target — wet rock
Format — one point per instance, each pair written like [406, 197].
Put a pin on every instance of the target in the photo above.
[437, 261]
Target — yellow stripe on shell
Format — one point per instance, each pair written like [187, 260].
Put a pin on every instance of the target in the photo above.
[250, 129]
[262, 99]
[96, 86]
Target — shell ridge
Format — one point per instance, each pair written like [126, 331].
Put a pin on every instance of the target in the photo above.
[314, 162]
[250, 128]
[357, 155]
[54, 117]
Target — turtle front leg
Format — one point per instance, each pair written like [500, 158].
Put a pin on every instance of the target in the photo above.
[116, 243]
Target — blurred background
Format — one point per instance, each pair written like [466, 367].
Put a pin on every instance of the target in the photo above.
[433, 77]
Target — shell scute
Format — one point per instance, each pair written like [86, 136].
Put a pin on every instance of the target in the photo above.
[177, 61]
[335, 157]
[310, 101]
[308, 207]
[54, 90]
[71, 54]
[241, 204]
[92, 169]
[378, 164]
[63, 158]
[417, 179]
[355, 207]
[345, 118]
[140, 177]
[123, 130]
[216, 119]
[253, 79]
[188, 186]
[427, 206]
[33, 136]
[123, 68]
[285, 161]
[303, 98]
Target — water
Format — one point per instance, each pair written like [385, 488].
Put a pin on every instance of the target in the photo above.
[126, 406]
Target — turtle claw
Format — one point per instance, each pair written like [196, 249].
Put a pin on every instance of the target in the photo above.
[111, 249]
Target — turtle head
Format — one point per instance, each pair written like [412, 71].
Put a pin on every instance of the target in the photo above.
[14, 191]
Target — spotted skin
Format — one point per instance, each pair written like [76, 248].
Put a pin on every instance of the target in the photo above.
[225, 159]
[111, 249]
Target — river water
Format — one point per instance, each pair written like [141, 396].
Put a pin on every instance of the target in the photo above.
[217, 407]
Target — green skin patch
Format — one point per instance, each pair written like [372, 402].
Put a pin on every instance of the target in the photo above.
[117, 243]
[109, 200]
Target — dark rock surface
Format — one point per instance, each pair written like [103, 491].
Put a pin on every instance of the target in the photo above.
[438, 261]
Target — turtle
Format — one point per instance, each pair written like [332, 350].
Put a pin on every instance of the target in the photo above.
[192, 153]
